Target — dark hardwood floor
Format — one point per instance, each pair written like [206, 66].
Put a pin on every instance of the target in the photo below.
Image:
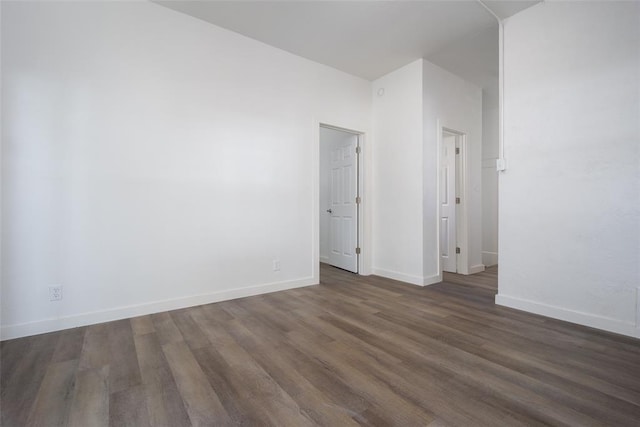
[352, 351]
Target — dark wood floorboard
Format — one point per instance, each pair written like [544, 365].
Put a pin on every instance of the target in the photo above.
[352, 351]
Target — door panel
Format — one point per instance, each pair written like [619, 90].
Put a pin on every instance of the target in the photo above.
[336, 187]
[343, 209]
[349, 245]
[444, 237]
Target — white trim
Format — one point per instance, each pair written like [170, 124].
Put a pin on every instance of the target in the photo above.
[438, 204]
[324, 259]
[408, 278]
[573, 316]
[432, 280]
[315, 200]
[462, 215]
[125, 312]
[479, 268]
[489, 258]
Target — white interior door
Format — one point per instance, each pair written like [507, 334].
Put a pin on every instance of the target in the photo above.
[448, 203]
[343, 225]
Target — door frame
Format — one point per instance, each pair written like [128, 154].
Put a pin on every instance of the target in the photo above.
[364, 209]
[462, 211]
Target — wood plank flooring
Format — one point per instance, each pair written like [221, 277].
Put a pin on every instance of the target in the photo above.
[351, 351]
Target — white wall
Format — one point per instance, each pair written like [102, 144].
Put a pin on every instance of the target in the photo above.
[405, 221]
[570, 198]
[455, 104]
[397, 175]
[490, 135]
[153, 161]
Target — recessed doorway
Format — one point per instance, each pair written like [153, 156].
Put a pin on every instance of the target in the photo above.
[451, 218]
[339, 198]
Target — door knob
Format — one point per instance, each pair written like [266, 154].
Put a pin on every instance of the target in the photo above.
[329, 210]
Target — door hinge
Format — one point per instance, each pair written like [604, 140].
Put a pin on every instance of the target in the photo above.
[357, 251]
[358, 200]
[358, 150]
[457, 250]
[457, 200]
[457, 150]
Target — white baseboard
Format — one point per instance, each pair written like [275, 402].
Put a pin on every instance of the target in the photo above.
[84, 319]
[476, 269]
[407, 278]
[432, 280]
[324, 259]
[390, 274]
[489, 258]
[573, 316]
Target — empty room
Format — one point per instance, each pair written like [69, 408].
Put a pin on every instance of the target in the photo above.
[331, 213]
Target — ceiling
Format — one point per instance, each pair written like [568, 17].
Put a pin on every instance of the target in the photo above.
[370, 38]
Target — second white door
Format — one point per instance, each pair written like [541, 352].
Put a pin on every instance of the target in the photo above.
[343, 209]
[448, 203]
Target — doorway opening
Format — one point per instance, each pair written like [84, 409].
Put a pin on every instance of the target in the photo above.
[339, 198]
[452, 222]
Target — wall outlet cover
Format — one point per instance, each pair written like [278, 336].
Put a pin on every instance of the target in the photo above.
[55, 293]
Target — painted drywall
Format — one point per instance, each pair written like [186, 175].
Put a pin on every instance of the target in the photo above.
[408, 105]
[570, 198]
[328, 138]
[1, 174]
[397, 175]
[490, 135]
[453, 103]
[153, 161]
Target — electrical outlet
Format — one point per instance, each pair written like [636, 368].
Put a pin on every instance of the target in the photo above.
[55, 293]
[276, 265]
